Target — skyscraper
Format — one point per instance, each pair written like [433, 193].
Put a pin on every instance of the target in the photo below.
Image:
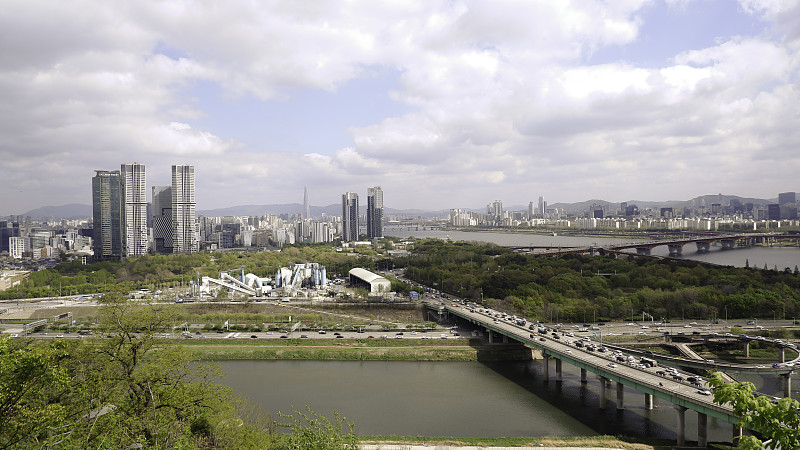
[349, 217]
[107, 214]
[542, 207]
[134, 195]
[184, 239]
[374, 212]
[161, 211]
[305, 203]
[787, 198]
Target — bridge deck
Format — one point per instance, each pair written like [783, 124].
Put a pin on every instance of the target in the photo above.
[667, 389]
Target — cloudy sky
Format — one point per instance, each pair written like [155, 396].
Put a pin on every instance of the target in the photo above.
[443, 103]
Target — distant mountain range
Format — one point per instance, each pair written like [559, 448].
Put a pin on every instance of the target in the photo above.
[79, 211]
[69, 212]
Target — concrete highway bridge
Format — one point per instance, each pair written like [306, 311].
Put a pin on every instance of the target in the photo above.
[682, 395]
[703, 243]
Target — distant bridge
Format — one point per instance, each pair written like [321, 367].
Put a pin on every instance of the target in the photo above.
[675, 245]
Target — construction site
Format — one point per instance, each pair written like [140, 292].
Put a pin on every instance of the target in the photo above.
[297, 280]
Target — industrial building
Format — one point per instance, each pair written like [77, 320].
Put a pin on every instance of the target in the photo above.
[305, 275]
[376, 283]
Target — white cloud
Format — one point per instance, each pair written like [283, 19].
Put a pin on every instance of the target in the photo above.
[501, 102]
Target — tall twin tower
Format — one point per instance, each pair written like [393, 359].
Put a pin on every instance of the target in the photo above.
[119, 201]
[374, 214]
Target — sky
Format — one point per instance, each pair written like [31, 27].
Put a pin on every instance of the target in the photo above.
[445, 104]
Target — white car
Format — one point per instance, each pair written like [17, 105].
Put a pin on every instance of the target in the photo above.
[704, 391]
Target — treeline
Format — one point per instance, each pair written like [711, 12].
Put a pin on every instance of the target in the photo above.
[163, 271]
[128, 388]
[581, 287]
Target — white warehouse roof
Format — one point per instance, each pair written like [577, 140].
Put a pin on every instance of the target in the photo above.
[377, 283]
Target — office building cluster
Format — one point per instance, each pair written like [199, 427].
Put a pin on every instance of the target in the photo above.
[120, 213]
[351, 216]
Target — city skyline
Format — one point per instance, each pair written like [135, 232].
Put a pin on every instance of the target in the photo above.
[443, 104]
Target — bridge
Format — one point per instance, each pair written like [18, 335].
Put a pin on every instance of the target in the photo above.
[675, 245]
[682, 395]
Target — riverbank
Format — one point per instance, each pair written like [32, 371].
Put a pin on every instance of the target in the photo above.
[355, 350]
[560, 443]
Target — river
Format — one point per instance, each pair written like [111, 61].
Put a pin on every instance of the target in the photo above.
[462, 399]
[758, 257]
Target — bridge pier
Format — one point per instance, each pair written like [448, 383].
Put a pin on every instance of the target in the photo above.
[603, 392]
[681, 425]
[505, 339]
[787, 384]
[675, 249]
[491, 335]
[583, 375]
[620, 395]
[783, 354]
[703, 247]
[702, 430]
[546, 367]
[642, 250]
[558, 369]
[747, 349]
[727, 244]
[648, 401]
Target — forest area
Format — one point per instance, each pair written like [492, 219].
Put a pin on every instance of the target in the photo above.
[578, 288]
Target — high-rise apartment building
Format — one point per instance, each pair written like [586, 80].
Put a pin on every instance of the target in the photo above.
[374, 212]
[349, 217]
[161, 211]
[542, 207]
[184, 210]
[134, 195]
[16, 247]
[306, 206]
[107, 214]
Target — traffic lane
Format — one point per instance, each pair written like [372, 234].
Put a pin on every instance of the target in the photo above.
[444, 334]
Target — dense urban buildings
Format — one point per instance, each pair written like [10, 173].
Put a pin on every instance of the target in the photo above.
[349, 217]
[175, 227]
[134, 194]
[374, 212]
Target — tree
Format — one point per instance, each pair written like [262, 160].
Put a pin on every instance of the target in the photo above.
[31, 378]
[127, 387]
[312, 431]
[778, 421]
[140, 389]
